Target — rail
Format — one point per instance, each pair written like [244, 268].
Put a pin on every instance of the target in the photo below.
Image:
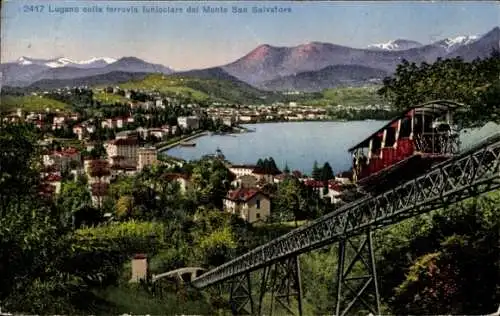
[471, 173]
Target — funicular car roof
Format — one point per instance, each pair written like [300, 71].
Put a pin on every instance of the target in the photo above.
[434, 108]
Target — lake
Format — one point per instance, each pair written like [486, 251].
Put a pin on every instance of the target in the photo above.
[297, 144]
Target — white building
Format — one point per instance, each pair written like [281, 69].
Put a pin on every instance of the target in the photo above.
[188, 122]
[241, 170]
[126, 148]
[250, 204]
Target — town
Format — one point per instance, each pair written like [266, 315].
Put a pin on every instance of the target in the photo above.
[123, 139]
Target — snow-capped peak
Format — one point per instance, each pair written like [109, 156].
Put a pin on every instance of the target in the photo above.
[94, 62]
[399, 44]
[451, 43]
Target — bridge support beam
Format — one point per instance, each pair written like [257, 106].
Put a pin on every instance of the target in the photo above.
[285, 285]
[357, 280]
[240, 297]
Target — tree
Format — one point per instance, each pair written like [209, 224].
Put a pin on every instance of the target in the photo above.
[125, 207]
[290, 202]
[98, 151]
[260, 163]
[74, 197]
[473, 83]
[286, 170]
[326, 172]
[445, 262]
[31, 259]
[268, 165]
[316, 172]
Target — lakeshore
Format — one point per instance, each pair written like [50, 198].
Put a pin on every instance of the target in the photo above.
[296, 144]
[163, 146]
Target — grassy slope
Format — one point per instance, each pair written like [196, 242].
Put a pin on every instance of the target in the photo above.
[31, 103]
[133, 300]
[195, 88]
[109, 98]
[355, 96]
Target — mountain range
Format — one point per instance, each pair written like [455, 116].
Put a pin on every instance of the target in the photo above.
[26, 71]
[308, 67]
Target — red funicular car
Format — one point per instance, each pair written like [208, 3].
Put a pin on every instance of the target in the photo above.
[406, 147]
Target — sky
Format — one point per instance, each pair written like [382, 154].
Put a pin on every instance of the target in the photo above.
[183, 40]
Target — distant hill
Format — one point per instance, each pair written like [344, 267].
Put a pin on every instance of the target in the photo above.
[110, 78]
[328, 77]
[199, 87]
[208, 73]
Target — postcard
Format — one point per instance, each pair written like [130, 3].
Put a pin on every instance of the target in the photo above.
[258, 157]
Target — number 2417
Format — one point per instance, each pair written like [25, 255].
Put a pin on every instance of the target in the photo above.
[33, 8]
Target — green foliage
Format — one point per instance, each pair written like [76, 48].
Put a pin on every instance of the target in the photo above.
[18, 166]
[295, 201]
[268, 165]
[316, 172]
[326, 172]
[130, 231]
[31, 103]
[216, 247]
[213, 236]
[131, 299]
[349, 96]
[109, 98]
[210, 182]
[476, 84]
[75, 197]
[451, 257]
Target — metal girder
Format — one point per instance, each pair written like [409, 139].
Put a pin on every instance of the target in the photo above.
[471, 173]
[285, 284]
[354, 288]
[240, 297]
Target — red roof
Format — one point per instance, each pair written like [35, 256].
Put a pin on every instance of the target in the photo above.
[243, 194]
[53, 178]
[314, 183]
[67, 152]
[335, 186]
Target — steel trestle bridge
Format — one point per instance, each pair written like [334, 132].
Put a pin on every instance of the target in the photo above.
[468, 174]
